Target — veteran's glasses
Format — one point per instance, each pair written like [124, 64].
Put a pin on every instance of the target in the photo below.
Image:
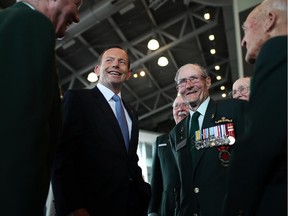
[193, 79]
[242, 90]
[178, 105]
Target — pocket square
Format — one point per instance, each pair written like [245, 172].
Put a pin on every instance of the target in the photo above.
[181, 144]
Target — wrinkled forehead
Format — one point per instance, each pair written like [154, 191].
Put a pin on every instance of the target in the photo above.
[189, 70]
[115, 52]
[178, 100]
[241, 82]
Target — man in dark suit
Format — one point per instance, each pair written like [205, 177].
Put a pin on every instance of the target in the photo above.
[203, 154]
[30, 124]
[95, 172]
[257, 180]
[165, 182]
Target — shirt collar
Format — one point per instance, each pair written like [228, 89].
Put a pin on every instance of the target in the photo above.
[108, 94]
[29, 5]
[202, 108]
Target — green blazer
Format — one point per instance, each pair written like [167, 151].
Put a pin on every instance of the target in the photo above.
[258, 176]
[203, 185]
[30, 110]
[165, 181]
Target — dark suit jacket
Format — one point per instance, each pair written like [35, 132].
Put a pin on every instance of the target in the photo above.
[93, 169]
[258, 175]
[30, 110]
[203, 186]
[165, 181]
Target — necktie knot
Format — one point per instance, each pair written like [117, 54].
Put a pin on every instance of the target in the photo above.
[195, 116]
[116, 98]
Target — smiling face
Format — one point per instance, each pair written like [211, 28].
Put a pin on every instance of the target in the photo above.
[195, 89]
[180, 109]
[113, 69]
[63, 13]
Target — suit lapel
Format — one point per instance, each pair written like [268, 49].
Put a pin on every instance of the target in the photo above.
[134, 127]
[104, 106]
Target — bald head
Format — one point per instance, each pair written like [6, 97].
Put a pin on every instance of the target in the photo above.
[267, 20]
[241, 88]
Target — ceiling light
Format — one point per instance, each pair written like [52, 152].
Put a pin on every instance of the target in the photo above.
[218, 77]
[222, 88]
[224, 95]
[135, 75]
[153, 44]
[212, 51]
[211, 37]
[92, 77]
[217, 67]
[206, 16]
[163, 61]
[142, 73]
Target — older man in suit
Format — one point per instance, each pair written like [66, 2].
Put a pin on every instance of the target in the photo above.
[203, 145]
[257, 183]
[30, 121]
[96, 170]
[165, 180]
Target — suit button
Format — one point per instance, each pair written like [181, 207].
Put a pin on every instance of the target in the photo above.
[196, 190]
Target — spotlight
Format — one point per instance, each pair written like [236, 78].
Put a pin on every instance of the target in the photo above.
[163, 61]
[211, 37]
[206, 16]
[92, 77]
[153, 44]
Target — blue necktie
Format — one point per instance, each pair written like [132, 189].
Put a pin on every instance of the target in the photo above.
[120, 114]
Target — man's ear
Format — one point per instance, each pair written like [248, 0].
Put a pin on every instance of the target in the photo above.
[270, 21]
[128, 75]
[208, 82]
[97, 70]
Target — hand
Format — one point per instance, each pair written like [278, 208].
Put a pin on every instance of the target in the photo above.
[79, 212]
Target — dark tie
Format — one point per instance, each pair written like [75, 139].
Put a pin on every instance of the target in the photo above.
[120, 114]
[194, 126]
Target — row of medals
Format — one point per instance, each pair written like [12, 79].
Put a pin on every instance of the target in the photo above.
[215, 136]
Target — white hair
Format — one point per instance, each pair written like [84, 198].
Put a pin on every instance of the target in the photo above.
[276, 4]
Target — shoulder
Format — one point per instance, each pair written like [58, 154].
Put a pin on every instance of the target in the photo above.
[230, 102]
[275, 43]
[77, 94]
[27, 15]
[276, 47]
[162, 138]
[231, 106]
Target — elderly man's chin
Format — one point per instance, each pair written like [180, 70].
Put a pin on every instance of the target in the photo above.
[60, 33]
[249, 58]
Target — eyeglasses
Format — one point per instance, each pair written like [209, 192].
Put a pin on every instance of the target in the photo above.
[242, 90]
[194, 79]
[178, 105]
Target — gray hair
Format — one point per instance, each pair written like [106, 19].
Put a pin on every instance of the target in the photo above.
[203, 71]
